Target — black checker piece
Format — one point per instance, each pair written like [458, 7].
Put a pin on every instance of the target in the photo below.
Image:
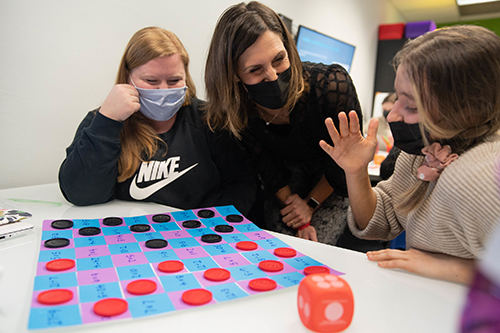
[191, 224]
[234, 218]
[224, 228]
[161, 218]
[89, 231]
[62, 224]
[156, 243]
[140, 227]
[56, 243]
[211, 238]
[112, 221]
[205, 213]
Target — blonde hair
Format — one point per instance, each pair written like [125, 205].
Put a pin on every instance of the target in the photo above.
[455, 74]
[237, 29]
[138, 138]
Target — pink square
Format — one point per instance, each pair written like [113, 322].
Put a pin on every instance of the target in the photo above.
[120, 239]
[244, 286]
[175, 234]
[207, 283]
[176, 298]
[159, 289]
[231, 260]
[36, 304]
[191, 252]
[41, 270]
[93, 276]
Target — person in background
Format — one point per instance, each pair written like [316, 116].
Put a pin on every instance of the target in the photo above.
[147, 142]
[444, 191]
[481, 313]
[258, 89]
[384, 135]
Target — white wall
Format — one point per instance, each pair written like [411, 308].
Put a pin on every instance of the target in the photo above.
[59, 59]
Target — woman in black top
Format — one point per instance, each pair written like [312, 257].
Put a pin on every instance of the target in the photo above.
[258, 89]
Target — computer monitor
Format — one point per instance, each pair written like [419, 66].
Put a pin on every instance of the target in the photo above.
[317, 47]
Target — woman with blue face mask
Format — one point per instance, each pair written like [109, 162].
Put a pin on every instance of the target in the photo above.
[147, 141]
[444, 191]
[259, 90]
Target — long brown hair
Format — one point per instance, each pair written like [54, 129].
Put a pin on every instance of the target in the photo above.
[455, 73]
[138, 136]
[237, 29]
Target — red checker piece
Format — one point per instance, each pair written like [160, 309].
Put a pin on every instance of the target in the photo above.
[55, 296]
[141, 287]
[316, 270]
[171, 266]
[60, 265]
[110, 307]
[262, 284]
[271, 265]
[247, 245]
[217, 274]
[285, 252]
[197, 296]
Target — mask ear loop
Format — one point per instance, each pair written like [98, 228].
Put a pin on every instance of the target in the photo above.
[130, 77]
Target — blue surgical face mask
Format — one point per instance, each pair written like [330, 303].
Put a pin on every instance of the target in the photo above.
[160, 104]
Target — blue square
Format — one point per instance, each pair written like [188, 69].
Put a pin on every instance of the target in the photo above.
[48, 255]
[136, 220]
[217, 249]
[179, 243]
[299, 263]
[54, 316]
[271, 243]
[246, 272]
[289, 279]
[199, 264]
[135, 272]
[143, 237]
[149, 305]
[49, 234]
[81, 223]
[162, 255]
[167, 226]
[63, 280]
[89, 241]
[247, 227]
[84, 264]
[124, 248]
[184, 215]
[179, 282]
[235, 238]
[227, 210]
[227, 292]
[257, 256]
[96, 292]
[199, 232]
[116, 231]
[212, 222]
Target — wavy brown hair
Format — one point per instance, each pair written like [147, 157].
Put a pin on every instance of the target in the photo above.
[237, 29]
[138, 138]
[455, 74]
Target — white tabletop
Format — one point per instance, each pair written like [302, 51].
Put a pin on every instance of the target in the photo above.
[385, 300]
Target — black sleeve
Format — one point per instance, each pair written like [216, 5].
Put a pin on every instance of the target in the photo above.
[332, 91]
[238, 186]
[88, 174]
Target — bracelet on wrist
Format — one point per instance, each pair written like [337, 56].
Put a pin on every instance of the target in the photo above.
[305, 226]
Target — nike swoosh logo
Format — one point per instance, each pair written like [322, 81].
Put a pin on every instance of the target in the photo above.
[142, 193]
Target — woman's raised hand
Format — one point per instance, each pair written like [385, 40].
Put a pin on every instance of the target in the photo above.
[351, 151]
[121, 103]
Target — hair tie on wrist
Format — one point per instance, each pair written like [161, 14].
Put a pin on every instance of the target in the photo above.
[305, 225]
[436, 159]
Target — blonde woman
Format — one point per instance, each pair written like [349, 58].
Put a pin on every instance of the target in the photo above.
[147, 141]
[444, 191]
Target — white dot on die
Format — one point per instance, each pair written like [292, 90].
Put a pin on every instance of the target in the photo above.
[317, 278]
[334, 311]
[323, 285]
[301, 302]
[307, 310]
[337, 284]
[331, 278]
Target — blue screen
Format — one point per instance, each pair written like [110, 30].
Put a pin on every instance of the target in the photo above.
[316, 47]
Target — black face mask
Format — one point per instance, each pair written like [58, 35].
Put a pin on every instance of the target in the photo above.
[385, 113]
[271, 94]
[407, 137]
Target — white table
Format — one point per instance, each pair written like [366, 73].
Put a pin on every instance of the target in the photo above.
[385, 300]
